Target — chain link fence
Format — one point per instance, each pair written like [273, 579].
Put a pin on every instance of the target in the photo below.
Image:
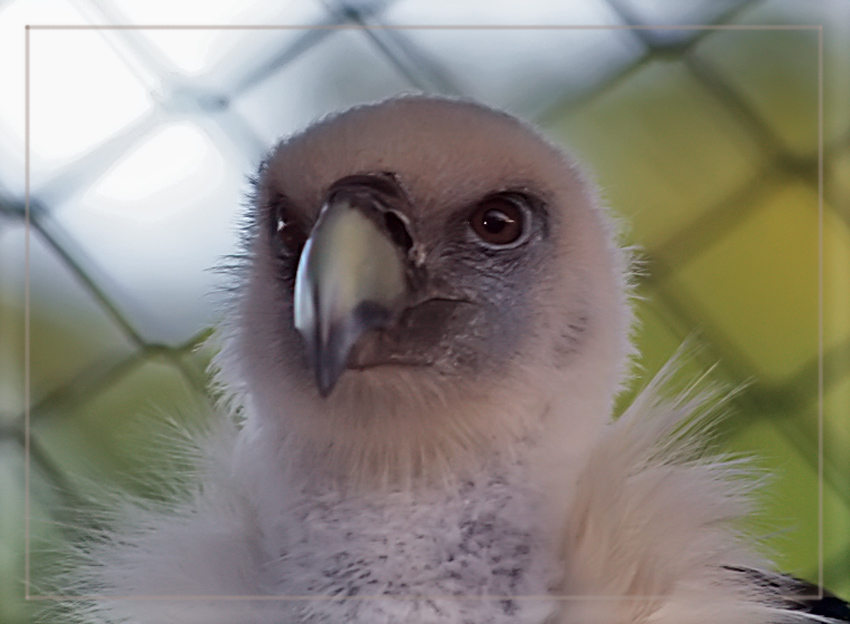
[718, 129]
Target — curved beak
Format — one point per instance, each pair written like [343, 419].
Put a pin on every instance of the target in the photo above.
[350, 279]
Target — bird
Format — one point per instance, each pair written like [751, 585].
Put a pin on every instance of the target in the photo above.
[428, 327]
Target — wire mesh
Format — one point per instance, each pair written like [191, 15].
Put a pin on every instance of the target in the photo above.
[708, 140]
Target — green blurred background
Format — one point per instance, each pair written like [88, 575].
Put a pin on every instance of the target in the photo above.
[704, 140]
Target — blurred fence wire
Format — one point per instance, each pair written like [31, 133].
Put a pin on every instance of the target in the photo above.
[718, 129]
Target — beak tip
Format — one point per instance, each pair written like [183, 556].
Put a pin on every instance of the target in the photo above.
[329, 366]
[325, 385]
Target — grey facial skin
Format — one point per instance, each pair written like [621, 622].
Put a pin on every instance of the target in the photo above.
[363, 298]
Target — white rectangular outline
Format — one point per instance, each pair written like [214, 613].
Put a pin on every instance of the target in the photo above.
[27, 402]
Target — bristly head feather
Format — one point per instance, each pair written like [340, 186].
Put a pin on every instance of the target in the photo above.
[655, 529]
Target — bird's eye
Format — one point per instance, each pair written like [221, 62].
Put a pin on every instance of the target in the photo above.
[499, 221]
[287, 235]
[287, 231]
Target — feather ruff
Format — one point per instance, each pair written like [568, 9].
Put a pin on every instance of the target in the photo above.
[650, 535]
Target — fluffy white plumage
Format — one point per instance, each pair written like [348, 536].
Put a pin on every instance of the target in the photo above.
[457, 462]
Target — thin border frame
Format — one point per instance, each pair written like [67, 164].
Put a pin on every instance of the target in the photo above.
[285, 598]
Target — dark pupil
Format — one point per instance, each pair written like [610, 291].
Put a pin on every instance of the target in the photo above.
[495, 221]
[289, 235]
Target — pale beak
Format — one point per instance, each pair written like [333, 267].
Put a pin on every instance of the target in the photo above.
[351, 279]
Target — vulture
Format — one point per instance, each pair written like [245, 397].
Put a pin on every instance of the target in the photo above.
[416, 373]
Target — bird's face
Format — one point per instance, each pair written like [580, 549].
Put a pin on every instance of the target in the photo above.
[428, 279]
[383, 281]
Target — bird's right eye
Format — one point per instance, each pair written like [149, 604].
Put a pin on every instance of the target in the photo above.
[286, 231]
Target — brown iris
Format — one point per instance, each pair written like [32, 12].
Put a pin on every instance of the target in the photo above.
[498, 221]
[288, 232]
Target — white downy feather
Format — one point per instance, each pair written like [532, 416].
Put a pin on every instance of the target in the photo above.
[651, 536]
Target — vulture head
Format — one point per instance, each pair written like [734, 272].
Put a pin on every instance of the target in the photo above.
[428, 283]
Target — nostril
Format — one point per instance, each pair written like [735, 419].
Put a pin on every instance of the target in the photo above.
[398, 230]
